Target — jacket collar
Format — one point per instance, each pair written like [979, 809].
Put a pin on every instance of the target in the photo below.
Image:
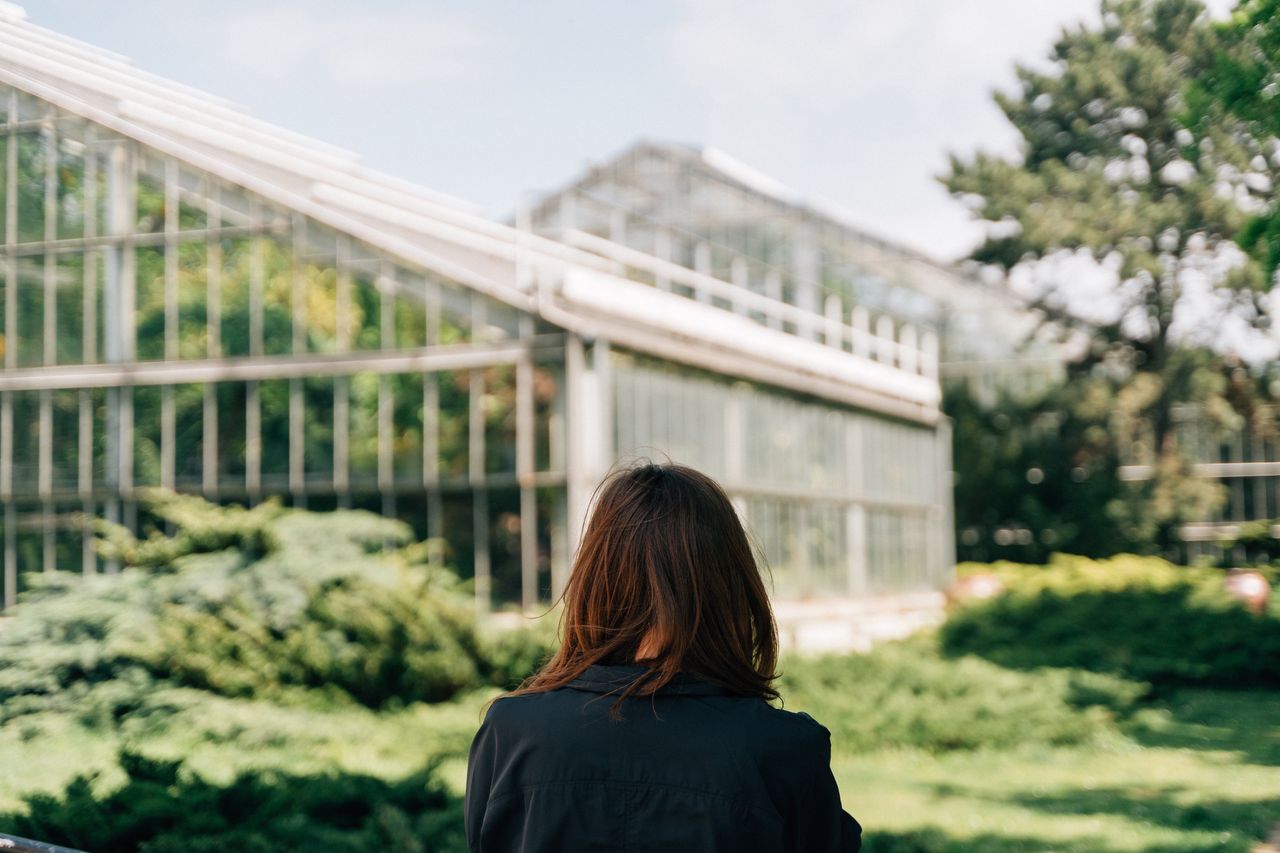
[600, 678]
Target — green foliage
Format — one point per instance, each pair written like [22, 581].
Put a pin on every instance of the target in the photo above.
[905, 695]
[1034, 477]
[1241, 82]
[259, 603]
[1137, 616]
[510, 656]
[1114, 167]
[160, 808]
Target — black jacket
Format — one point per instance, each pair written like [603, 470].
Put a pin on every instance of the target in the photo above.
[711, 773]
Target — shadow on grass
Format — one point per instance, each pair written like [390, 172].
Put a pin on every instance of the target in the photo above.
[1162, 807]
[1246, 722]
[161, 809]
[937, 841]
[1237, 824]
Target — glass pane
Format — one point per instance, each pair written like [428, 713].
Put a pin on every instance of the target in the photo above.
[548, 425]
[455, 314]
[192, 212]
[363, 435]
[146, 436]
[454, 423]
[236, 264]
[71, 193]
[26, 441]
[33, 156]
[410, 310]
[317, 451]
[277, 296]
[30, 319]
[232, 405]
[188, 435]
[193, 292]
[273, 396]
[150, 191]
[504, 545]
[149, 275]
[4, 171]
[320, 285]
[4, 301]
[500, 419]
[69, 290]
[406, 436]
[366, 305]
[65, 406]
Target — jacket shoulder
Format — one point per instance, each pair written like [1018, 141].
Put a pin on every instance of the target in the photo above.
[794, 726]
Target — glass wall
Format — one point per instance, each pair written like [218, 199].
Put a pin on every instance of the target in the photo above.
[842, 502]
[693, 208]
[161, 327]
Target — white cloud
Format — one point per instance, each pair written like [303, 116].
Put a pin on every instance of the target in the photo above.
[863, 100]
[373, 45]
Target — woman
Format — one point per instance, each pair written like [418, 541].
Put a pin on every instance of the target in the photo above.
[665, 611]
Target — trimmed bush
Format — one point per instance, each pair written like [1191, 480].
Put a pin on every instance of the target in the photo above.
[288, 605]
[906, 695]
[162, 809]
[1137, 616]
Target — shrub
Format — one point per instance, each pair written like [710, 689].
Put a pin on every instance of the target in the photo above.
[906, 695]
[1137, 616]
[266, 603]
[161, 808]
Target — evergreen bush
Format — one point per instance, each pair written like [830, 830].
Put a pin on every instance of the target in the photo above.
[1140, 617]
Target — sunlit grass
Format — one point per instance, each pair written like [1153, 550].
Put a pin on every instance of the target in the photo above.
[1198, 772]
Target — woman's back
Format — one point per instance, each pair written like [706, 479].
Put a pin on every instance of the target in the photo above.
[691, 767]
[650, 728]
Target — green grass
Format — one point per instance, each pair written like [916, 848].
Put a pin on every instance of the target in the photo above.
[1202, 775]
[1198, 772]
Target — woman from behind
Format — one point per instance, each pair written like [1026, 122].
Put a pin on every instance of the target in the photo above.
[650, 729]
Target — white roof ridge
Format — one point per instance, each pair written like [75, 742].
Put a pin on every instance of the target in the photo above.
[125, 83]
[767, 185]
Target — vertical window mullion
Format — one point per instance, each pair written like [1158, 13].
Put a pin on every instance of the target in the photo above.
[209, 466]
[170, 259]
[50, 341]
[253, 439]
[297, 437]
[44, 470]
[341, 431]
[213, 275]
[167, 438]
[89, 330]
[342, 326]
[256, 263]
[431, 432]
[298, 293]
[85, 469]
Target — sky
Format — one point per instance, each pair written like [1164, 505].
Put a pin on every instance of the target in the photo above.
[850, 102]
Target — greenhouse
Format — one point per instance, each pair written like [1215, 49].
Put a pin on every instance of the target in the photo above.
[703, 210]
[198, 301]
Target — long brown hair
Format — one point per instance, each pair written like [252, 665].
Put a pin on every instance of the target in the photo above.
[665, 561]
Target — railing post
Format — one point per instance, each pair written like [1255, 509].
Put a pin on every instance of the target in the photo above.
[885, 343]
[834, 311]
[861, 325]
[929, 353]
[908, 349]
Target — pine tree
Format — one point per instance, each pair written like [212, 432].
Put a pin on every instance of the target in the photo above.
[1116, 165]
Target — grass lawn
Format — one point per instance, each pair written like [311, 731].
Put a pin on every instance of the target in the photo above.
[1201, 773]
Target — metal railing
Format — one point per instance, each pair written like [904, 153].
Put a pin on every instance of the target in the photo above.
[902, 346]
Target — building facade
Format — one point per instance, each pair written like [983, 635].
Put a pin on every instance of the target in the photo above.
[701, 209]
[195, 300]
